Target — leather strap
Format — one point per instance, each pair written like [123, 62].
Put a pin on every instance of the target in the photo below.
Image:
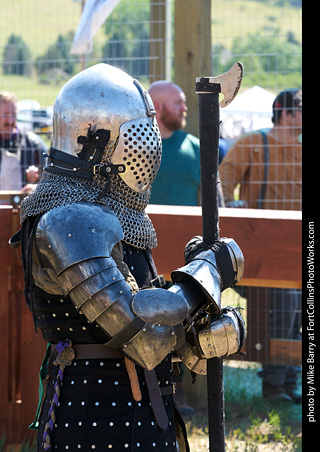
[127, 333]
[69, 165]
[93, 351]
[266, 168]
[156, 400]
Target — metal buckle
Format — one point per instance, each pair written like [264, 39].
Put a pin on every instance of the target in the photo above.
[96, 169]
[158, 282]
[108, 169]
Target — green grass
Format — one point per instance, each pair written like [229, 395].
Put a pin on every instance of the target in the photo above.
[235, 19]
[252, 423]
[31, 88]
[38, 22]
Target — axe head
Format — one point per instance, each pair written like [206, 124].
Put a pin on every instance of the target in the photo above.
[229, 82]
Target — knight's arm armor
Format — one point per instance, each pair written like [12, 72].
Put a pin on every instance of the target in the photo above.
[76, 242]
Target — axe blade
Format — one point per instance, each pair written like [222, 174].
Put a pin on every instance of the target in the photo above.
[229, 82]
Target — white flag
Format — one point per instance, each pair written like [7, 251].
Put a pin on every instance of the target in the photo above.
[94, 14]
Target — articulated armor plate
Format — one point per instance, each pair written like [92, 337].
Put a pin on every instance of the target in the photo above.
[200, 282]
[236, 258]
[204, 271]
[76, 242]
[223, 337]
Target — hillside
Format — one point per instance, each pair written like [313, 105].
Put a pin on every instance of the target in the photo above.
[39, 23]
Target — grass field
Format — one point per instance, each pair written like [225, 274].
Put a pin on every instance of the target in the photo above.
[39, 23]
[235, 19]
[252, 423]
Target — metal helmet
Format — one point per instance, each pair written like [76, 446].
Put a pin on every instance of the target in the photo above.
[104, 121]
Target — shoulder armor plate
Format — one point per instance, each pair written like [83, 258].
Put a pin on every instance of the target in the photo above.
[70, 234]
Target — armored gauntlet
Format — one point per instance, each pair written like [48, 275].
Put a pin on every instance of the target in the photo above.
[210, 331]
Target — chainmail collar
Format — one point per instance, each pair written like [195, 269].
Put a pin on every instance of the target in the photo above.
[128, 206]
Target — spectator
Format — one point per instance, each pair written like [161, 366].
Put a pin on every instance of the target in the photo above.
[267, 165]
[276, 184]
[178, 179]
[21, 156]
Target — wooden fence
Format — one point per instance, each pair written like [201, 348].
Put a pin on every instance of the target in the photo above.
[271, 243]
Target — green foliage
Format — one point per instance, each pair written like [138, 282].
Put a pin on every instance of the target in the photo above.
[2, 442]
[57, 56]
[268, 54]
[268, 60]
[16, 58]
[127, 39]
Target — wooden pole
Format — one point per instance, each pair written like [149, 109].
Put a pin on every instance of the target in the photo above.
[192, 51]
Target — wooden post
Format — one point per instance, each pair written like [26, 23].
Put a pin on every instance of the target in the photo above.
[192, 49]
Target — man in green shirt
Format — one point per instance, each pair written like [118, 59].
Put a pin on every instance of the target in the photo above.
[179, 176]
[178, 179]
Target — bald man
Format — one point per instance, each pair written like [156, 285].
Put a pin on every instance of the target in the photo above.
[170, 104]
[178, 179]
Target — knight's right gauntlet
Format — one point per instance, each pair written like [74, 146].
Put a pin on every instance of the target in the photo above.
[210, 331]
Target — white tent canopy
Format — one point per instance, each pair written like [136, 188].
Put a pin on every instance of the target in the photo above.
[250, 110]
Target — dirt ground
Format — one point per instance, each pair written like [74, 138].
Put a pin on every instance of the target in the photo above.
[201, 445]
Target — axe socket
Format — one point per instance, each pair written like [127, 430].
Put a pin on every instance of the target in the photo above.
[203, 85]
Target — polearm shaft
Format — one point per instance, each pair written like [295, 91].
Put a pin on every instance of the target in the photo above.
[209, 121]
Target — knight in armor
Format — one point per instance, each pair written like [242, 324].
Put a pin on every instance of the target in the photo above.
[90, 281]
